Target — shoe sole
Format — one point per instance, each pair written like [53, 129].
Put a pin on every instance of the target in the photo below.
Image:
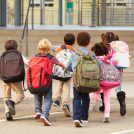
[11, 110]
[77, 124]
[37, 116]
[67, 113]
[97, 105]
[55, 105]
[123, 110]
[9, 119]
[46, 123]
[106, 120]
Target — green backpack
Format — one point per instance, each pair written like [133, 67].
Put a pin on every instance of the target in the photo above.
[86, 76]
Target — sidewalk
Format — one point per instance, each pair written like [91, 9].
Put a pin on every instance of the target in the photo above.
[127, 86]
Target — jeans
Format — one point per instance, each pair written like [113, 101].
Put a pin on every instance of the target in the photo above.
[47, 103]
[81, 103]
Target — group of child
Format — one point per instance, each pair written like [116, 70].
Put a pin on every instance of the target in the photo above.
[81, 101]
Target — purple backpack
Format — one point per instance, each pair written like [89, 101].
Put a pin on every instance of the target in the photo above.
[109, 75]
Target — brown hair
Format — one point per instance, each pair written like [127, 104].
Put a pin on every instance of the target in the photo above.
[69, 39]
[108, 37]
[100, 49]
[11, 44]
[116, 37]
[83, 38]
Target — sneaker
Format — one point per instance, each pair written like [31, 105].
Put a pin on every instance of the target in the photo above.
[45, 121]
[106, 118]
[78, 123]
[9, 116]
[56, 103]
[84, 121]
[10, 104]
[97, 105]
[66, 110]
[37, 115]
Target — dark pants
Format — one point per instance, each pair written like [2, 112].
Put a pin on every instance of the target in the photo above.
[81, 103]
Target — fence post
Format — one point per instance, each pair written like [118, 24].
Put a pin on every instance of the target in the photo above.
[79, 12]
[93, 13]
[103, 13]
[42, 12]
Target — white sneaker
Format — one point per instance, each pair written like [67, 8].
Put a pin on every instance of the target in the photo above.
[37, 116]
[97, 105]
[106, 118]
[84, 121]
[78, 123]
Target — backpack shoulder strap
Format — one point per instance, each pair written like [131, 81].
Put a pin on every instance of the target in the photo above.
[38, 55]
[91, 53]
[49, 56]
[63, 47]
[79, 52]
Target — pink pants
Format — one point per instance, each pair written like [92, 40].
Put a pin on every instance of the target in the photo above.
[107, 93]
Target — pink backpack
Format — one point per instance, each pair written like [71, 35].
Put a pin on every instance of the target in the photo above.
[109, 75]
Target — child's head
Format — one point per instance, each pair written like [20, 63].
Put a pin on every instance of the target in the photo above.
[11, 44]
[69, 39]
[83, 39]
[100, 49]
[44, 46]
[116, 37]
[108, 37]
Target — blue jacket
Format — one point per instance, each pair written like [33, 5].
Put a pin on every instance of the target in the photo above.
[73, 59]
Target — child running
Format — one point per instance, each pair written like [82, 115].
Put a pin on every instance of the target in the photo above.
[100, 51]
[81, 100]
[108, 38]
[64, 86]
[12, 69]
[44, 49]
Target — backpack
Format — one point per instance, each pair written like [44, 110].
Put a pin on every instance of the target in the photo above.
[63, 54]
[109, 75]
[12, 67]
[120, 54]
[39, 74]
[86, 76]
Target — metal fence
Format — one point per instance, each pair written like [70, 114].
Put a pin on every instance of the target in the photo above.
[92, 14]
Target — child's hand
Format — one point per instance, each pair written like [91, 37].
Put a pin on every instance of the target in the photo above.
[28, 61]
[64, 67]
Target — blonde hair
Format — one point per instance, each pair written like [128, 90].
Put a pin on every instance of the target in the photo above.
[44, 46]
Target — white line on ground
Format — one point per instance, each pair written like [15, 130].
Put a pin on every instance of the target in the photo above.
[121, 132]
[32, 116]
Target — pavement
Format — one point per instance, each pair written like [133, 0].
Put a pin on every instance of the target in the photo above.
[24, 122]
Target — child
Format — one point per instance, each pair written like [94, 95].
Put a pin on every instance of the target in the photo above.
[101, 50]
[80, 109]
[17, 87]
[44, 48]
[109, 37]
[64, 86]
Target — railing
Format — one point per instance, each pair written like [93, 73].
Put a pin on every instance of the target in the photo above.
[93, 14]
[26, 24]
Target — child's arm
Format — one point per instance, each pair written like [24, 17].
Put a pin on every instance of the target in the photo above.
[25, 61]
[62, 65]
[97, 60]
[54, 48]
